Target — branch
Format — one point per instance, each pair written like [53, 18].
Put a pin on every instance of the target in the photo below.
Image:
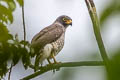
[96, 26]
[60, 65]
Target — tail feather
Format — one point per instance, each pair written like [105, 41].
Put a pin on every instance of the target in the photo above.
[37, 61]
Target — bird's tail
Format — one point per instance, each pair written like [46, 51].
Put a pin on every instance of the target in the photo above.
[37, 61]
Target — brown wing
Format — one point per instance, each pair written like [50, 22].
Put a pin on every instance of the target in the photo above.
[47, 35]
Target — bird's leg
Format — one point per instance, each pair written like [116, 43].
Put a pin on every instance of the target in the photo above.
[49, 61]
[55, 63]
[54, 59]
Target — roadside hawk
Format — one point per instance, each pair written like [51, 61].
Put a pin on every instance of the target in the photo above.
[50, 41]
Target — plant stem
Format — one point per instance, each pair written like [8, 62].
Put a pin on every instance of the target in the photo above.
[58, 66]
[23, 17]
[10, 71]
[96, 26]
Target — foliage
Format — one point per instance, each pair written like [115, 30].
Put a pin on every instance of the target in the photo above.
[11, 49]
[114, 73]
[6, 9]
[112, 9]
[114, 65]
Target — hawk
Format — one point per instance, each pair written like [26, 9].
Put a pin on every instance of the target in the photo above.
[50, 41]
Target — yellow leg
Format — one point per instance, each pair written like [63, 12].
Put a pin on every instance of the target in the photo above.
[54, 58]
[49, 61]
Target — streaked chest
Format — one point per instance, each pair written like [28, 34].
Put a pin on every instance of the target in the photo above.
[58, 45]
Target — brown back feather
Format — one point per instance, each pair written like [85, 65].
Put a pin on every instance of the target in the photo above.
[47, 35]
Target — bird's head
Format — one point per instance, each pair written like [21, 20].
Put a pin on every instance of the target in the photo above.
[64, 20]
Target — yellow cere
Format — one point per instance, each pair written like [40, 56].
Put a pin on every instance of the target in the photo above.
[68, 21]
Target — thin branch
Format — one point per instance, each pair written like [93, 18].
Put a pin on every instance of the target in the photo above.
[60, 65]
[10, 71]
[96, 27]
[23, 17]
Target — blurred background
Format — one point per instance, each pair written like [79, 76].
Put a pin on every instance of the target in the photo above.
[80, 43]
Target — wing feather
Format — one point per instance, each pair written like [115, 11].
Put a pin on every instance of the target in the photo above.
[47, 35]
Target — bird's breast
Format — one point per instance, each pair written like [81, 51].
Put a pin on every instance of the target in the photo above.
[58, 45]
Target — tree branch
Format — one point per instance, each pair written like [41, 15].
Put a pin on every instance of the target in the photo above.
[60, 65]
[96, 26]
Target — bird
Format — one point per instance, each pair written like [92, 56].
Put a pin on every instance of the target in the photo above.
[50, 40]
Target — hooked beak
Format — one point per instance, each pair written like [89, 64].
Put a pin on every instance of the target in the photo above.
[69, 22]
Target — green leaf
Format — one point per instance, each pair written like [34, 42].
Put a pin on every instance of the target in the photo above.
[3, 69]
[6, 14]
[20, 2]
[25, 43]
[12, 5]
[25, 58]
[16, 54]
[3, 33]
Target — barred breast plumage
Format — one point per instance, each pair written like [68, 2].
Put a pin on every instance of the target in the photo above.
[58, 45]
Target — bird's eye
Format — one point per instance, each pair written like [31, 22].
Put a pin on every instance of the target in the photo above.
[64, 19]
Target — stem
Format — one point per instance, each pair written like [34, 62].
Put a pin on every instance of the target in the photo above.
[23, 17]
[10, 71]
[58, 66]
[96, 27]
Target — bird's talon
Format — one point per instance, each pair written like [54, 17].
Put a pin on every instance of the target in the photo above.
[49, 64]
[57, 63]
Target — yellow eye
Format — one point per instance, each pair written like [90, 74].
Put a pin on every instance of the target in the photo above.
[64, 19]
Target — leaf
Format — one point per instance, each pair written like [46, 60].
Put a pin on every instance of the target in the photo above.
[3, 33]
[6, 14]
[16, 54]
[20, 2]
[24, 42]
[25, 58]
[3, 69]
[12, 5]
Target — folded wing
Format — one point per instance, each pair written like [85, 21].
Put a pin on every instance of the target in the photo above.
[47, 35]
